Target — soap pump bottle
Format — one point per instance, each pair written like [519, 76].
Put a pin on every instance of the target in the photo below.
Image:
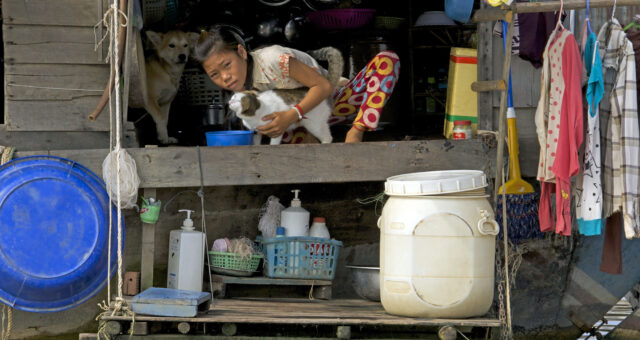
[186, 256]
[295, 219]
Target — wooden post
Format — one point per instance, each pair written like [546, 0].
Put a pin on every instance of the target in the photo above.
[229, 329]
[184, 327]
[129, 42]
[343, 332]
[148, 248]
[113, 327]
[502, 120]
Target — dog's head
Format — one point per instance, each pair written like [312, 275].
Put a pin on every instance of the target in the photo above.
[244, 104]
[173, 47]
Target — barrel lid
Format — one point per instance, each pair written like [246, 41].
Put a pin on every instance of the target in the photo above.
[54, 234]
[435, 182]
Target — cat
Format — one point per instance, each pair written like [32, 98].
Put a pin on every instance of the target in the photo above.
[251, 106]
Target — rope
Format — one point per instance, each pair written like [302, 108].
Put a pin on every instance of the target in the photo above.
[107, 18]
[204, 224]
[311, 290]
[377, 199]
[122, 164]
[7, 313]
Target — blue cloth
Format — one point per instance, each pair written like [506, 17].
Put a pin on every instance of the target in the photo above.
[590, 227]
[595, 92]
[595, 85]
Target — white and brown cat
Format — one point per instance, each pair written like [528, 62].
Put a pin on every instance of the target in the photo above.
[251, 106]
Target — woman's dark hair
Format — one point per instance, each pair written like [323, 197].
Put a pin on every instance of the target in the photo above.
[215, 40]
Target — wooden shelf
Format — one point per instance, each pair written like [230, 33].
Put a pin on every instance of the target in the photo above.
[310, 312]
[283, 164]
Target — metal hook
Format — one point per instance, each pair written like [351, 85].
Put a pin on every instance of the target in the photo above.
[587, 18]
[560, 15]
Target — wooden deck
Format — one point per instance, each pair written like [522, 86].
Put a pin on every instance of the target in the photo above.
[310, 312]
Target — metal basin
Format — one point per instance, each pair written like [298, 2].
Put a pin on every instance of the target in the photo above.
[365, 281]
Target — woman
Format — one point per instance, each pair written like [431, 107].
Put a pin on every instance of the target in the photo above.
[227, 62]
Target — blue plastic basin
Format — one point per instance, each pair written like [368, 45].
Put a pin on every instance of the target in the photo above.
[229, 138]
[458, 10]
[54, 234]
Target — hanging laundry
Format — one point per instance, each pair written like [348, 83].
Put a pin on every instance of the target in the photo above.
[559, 127]
[530, 34]
[535, 29]
[611, 260]
[621, 140]
[589, 183]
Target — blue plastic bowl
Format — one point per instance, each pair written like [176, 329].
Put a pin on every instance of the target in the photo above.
[458, 10]
[229, 138]
[54, 234]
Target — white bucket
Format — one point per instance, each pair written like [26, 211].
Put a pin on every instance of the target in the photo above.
[437, 245]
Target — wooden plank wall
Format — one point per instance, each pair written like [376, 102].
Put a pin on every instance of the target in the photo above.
[54, 76]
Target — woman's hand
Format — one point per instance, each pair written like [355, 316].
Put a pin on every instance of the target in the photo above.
[280, 122]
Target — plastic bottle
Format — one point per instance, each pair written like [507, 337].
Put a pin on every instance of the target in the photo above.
[318, 250]
[279, 249]
[295, 219]
[319, 228]
[186, 256]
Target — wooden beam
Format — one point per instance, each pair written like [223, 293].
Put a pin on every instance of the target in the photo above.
[488, 14]
[552, 6]
[489, 85]
[485, 72]
[148, 248]
[491, 14]
[58, 12]
[280, 164]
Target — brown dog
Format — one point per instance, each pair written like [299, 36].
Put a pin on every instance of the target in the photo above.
[163, 71]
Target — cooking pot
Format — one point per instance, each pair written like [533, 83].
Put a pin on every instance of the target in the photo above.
[214, 115]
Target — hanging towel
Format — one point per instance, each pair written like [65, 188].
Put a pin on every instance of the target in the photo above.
[621, 142]
[559, 127]
[589, 186]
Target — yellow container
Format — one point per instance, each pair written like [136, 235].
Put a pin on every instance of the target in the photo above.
[462, 102]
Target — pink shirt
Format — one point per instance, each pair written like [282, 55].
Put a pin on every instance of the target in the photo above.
[566, 129]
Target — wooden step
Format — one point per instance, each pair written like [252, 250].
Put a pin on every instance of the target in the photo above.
[489, 85]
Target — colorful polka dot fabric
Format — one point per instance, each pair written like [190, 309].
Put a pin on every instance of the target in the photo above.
[363, 97]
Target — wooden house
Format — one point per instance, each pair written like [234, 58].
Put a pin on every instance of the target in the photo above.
[54, 77]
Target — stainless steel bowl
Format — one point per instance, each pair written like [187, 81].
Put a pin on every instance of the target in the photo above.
[366, 281]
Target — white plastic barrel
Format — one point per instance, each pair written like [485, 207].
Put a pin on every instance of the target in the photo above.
[437, 237]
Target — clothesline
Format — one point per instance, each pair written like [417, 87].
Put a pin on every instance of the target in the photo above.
[491, 14]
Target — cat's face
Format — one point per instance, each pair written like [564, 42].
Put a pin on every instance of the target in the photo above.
[244, 104]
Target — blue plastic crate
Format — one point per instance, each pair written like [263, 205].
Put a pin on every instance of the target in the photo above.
[301, 257]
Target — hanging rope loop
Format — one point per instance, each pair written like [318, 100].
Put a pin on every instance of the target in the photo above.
[106, 21]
